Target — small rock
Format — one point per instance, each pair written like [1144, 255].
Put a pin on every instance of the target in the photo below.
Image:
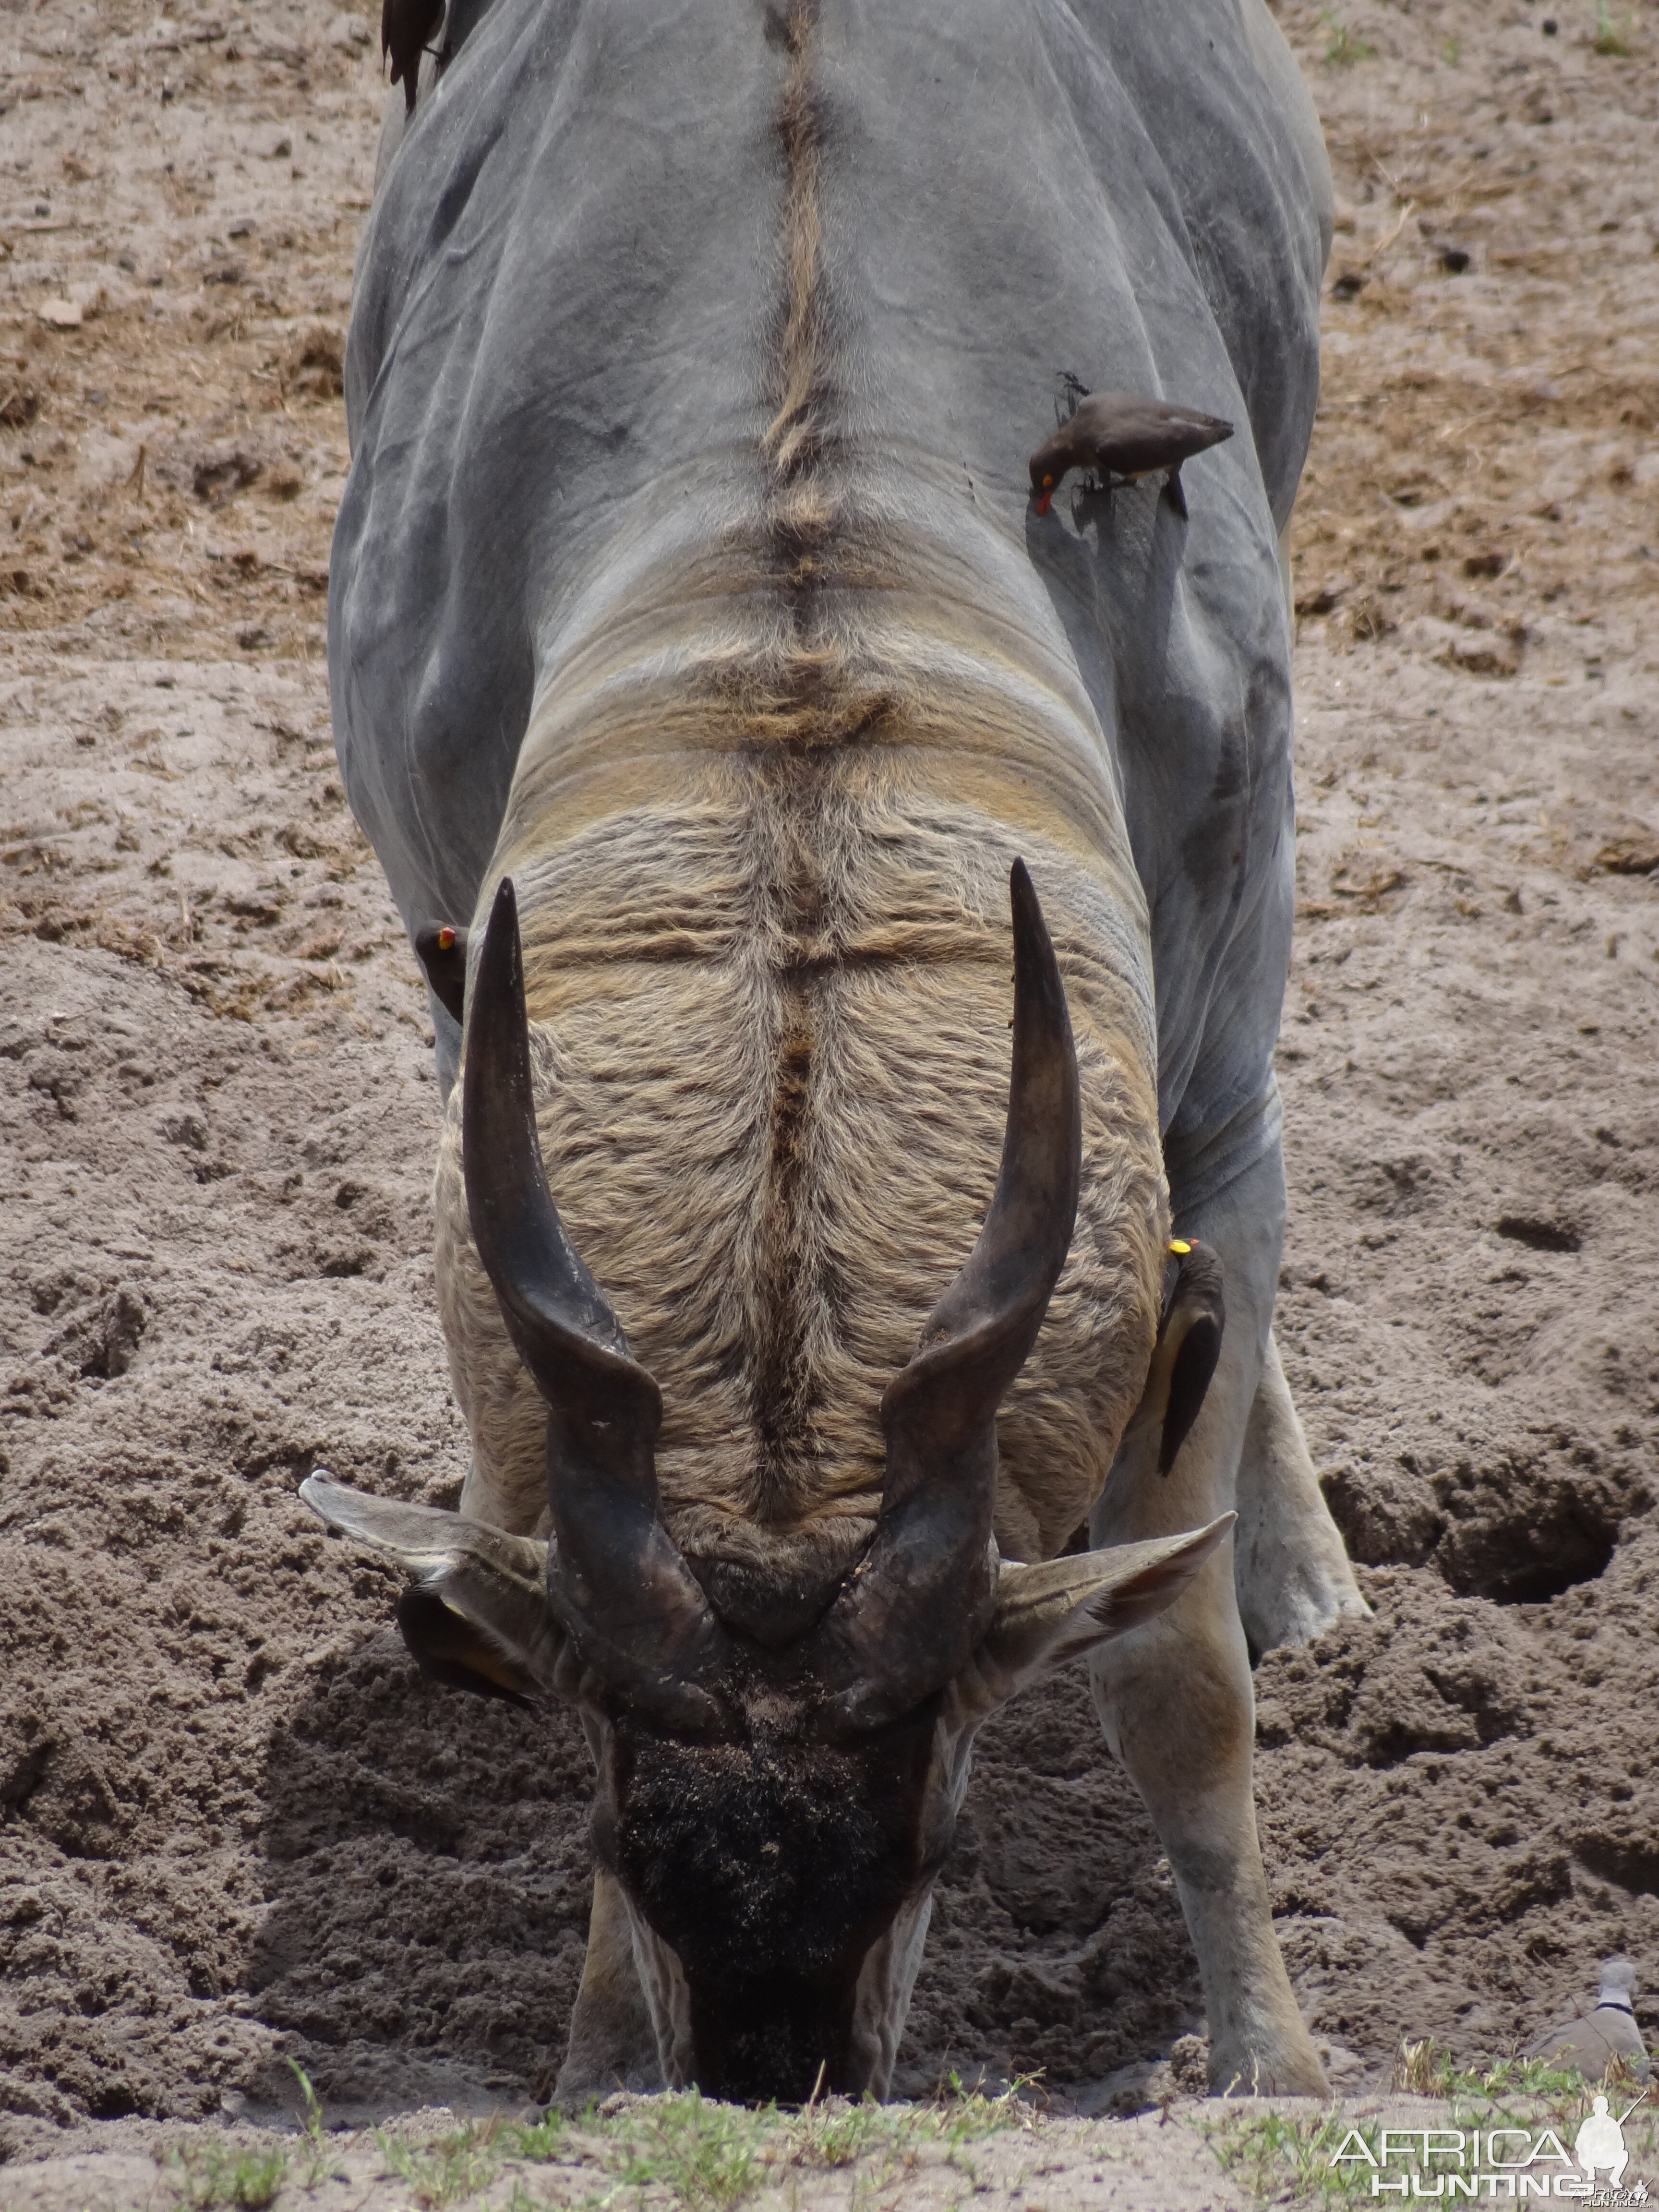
[1321, 600]
[1189, 2062]
[61, 315]
[316, 362]
[217, 475]
[1637, 854]
[122, 1323]
[1477, 656]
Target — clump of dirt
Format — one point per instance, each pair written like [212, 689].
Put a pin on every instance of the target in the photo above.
[316, 362]
[235, 1826]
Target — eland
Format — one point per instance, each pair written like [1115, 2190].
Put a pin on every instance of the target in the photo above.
[732, 728]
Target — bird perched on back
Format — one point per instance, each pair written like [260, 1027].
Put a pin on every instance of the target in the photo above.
[406, 30]
[1124, 436]
[1586, 2046]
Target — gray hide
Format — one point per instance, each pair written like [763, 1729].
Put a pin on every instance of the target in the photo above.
[565, 303]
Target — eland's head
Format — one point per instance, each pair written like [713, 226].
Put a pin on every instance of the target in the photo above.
[780, 1762]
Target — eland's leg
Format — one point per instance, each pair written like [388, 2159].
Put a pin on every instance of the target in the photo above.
[1175, 1697]
[613, 2044]
[1290, 1570]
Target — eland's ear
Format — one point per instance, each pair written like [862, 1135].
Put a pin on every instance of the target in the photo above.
[478, 1617]
[1051, 1612]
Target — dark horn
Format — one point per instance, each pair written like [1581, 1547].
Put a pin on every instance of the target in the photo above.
[620, 1586]
[922, 1597]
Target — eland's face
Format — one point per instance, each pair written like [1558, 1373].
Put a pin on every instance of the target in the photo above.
[767, 1864]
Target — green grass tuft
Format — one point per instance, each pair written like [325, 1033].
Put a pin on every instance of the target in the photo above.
[1273, 2156]
[708, 2156]
[1428, 2069]
[208, 2175]
[1283, 2160]
[702, 2155]
[448, 2170]
[1613, 38]
[537, 2139]
[317, 2155]
[1343, 47]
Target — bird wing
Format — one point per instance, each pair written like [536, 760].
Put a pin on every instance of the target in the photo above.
[1129, 432]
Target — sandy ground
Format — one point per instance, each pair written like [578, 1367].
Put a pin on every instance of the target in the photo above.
[234, 1828]
[1033, 2164]
[678, 2154]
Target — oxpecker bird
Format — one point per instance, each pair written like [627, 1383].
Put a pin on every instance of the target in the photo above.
[1124, 436]
[441, 949]
[406, 28]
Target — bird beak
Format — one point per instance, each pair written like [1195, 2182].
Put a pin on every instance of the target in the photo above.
[1043, 499]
